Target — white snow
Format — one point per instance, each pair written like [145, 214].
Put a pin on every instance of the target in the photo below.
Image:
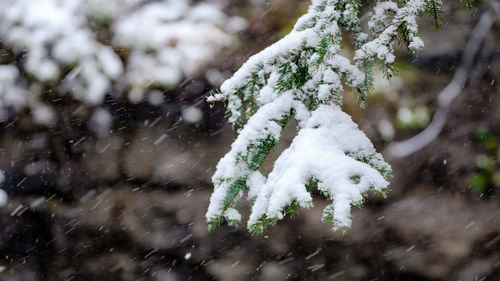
[100, 122]
[32, 26]
[382, 45]
[319, 152]
[160, 43]
[192, 114]
[329, 148]
[171, 39]
[258, 127]
[380, 14]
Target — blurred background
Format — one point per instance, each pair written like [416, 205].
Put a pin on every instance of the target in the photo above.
[107, 148]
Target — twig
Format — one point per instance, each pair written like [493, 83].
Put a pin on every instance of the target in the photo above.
[448, 94]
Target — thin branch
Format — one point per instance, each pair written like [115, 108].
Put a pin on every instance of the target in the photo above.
[446, 97]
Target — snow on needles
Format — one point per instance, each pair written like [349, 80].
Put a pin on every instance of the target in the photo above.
[236, 164]
[323, 150]
[302, 77]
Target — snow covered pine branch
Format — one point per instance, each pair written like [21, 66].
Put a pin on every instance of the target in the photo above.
[303, 76]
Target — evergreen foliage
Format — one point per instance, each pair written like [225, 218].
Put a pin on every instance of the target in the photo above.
[303, 77]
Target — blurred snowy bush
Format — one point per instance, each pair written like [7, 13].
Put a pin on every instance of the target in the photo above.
[90, 48]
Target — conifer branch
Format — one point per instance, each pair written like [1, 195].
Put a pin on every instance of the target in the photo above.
[434, 9]
[305, 73]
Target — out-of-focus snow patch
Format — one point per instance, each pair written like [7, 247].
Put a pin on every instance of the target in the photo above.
[44, 115]
[192, 114]
[214, 76]
[155, 98]
[100, 122]
[110, 8]
[3, 194]
[386, 130]
[11, 95]
[93, 48]
[55, 34]
[172, 39]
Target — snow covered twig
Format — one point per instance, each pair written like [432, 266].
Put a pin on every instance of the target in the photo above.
[302, 77]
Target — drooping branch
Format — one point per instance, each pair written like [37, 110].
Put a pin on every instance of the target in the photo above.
[305, 74]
